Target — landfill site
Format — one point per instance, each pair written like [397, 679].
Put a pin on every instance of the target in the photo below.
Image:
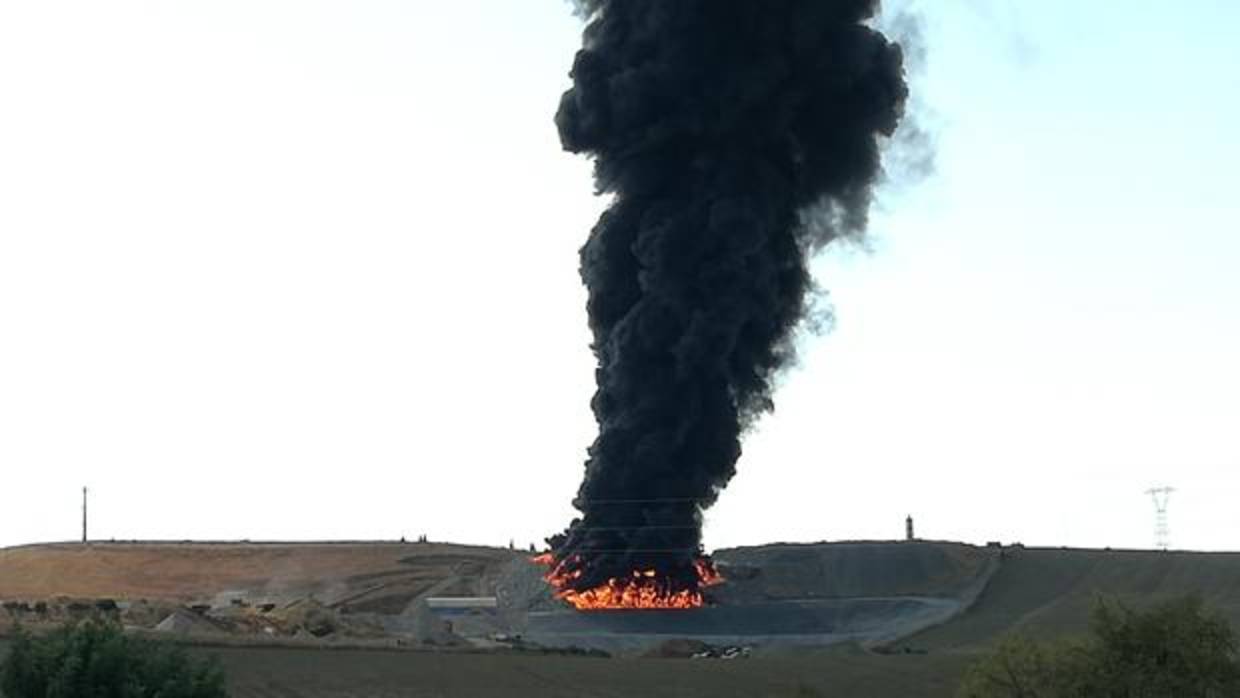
[839, 618]
[905, 596]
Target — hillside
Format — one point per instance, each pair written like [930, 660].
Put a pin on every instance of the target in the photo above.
[852, 569]
[978, 593]
[370, 576]
[1049, 591]
[829, 586]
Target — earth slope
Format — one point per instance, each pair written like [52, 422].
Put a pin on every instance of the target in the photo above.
[381, 577]
[1047, 592]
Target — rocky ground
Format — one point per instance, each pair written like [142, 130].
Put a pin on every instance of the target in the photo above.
[352, 593]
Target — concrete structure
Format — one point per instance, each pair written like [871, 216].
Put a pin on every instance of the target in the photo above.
[443, 605]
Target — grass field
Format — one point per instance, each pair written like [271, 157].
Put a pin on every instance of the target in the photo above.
[286, 673]
[293, 673]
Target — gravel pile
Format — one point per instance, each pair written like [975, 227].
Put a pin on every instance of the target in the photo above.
[521, 588]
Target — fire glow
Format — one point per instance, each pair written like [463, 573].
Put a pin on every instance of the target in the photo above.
[643, 589]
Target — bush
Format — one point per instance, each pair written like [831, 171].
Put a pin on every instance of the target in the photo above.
[96, 659]
[1174, 650]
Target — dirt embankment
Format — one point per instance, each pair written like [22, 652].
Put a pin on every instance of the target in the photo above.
[787, 571]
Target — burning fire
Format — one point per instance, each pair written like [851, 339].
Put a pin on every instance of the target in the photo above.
[643, 589]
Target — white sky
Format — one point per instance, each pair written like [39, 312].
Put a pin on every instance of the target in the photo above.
[305, 269]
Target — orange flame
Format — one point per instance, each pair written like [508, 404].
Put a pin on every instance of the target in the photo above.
[643, 589]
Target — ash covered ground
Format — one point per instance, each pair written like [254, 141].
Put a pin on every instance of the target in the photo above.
[774, 597]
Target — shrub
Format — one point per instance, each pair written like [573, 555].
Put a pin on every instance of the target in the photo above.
[1174, 650]
[96, 659]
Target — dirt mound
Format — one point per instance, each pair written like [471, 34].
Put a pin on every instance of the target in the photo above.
[307, 616]
[145, 614]
[521, 588]
[183, 622]
[849, 570]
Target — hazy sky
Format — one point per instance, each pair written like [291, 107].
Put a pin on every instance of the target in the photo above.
[304, 269]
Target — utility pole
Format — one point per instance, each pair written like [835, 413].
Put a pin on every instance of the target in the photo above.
[83, 516]
[1162, 530]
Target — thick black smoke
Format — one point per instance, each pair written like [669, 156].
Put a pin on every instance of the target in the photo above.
[736, 136]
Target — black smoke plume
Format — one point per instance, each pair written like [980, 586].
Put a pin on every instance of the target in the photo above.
[737, 137]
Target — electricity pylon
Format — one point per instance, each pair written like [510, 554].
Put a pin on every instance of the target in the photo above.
[1162, 530]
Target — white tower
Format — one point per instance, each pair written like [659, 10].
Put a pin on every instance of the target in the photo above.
[1162, 530]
